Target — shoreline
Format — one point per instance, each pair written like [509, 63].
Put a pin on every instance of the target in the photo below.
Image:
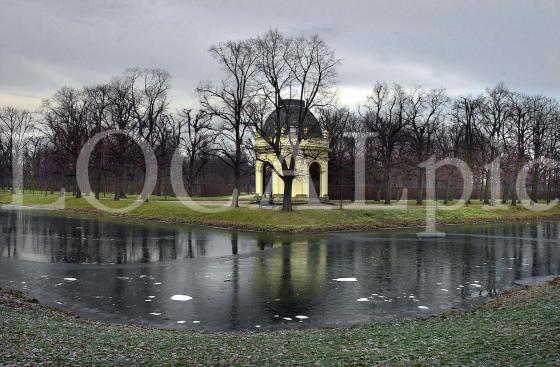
[25, 296]
[473, 305]
[292, 229]
[524, 330]
[517, 286]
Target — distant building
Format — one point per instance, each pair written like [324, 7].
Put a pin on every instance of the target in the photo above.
[312, 164]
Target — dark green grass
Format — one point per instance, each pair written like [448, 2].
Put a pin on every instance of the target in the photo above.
[520, 328]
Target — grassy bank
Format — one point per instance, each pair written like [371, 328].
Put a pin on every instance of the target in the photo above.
[299, 220]
[521, 327]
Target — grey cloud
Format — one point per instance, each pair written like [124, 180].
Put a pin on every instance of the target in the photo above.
[459, 45]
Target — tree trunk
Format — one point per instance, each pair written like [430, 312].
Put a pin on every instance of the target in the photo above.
[235, 194]
[513, 191]
[190, 178]
[117, 182]
[287, 200]
[98, 184]
[340, 176]
[12, 185]
[448, 185]
[387, 186]
[419, 181]
[505, 191]
[548, 187]
[78, 192]
[556, 184]
[481, 190]
[535, 185]
[487, 188]
[124, 179]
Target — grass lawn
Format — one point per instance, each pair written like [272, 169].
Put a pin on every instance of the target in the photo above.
[521, 327]
[298, 220]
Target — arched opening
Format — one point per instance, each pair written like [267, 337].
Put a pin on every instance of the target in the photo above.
[314, 182]
[267, 180]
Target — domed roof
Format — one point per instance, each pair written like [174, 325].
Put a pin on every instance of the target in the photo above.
[288, 113]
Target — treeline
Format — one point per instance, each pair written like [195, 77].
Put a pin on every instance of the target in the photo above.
[500, 130]
[48, 141]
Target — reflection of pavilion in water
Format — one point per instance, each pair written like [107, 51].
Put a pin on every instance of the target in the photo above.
[300, 269]
[281, 278]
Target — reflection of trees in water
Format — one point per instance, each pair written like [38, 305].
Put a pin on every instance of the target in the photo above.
[53, 239]
[465, 252]
[189, 245]
[234, 309]
[9, 236]
[120, 252]
[490, 256]
[201, 244]
[9, 241]
[234, 240]
[295, 270]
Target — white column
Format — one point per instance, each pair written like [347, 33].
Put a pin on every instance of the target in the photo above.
[258, 178]
[324, 179]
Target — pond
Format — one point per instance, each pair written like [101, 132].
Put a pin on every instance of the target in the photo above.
[205, 278]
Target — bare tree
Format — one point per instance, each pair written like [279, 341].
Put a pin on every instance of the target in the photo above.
[67, 128]
[495, 113]
[542, 116]
[100, 103]
[424, 112]
[465, 113]
[16, 127]
[448, 137]
[149, 94]
[301, 69]
[195, 139]
[516, 138]
[384, 115]
[228, 104]
[122, 105]
[339, 122]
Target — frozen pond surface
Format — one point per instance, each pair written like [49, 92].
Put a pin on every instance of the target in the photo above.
[204, 278]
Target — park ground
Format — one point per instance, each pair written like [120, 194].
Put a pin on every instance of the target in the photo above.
[521, 327]
[304, 219]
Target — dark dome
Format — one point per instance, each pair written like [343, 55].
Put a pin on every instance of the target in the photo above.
[288, 113]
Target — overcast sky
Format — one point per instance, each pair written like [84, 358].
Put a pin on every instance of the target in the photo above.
[462, 46]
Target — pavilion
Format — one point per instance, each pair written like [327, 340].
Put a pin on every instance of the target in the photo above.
[312, 163]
